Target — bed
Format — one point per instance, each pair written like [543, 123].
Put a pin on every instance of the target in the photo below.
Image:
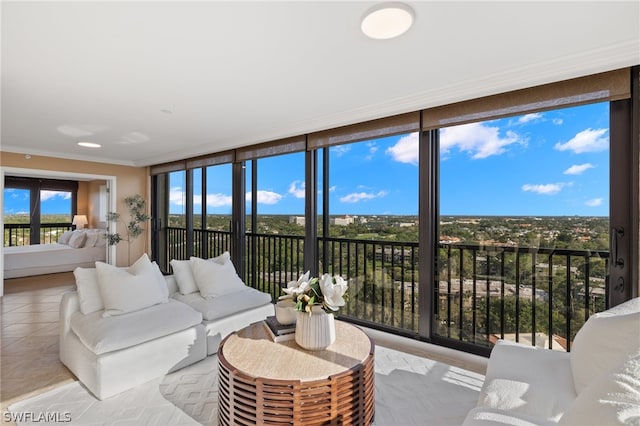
[38, 259]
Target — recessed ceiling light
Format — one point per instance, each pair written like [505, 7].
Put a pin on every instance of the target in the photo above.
[387, 20]
[89, 144]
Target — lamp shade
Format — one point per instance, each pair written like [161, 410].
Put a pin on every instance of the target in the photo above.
[80, 220]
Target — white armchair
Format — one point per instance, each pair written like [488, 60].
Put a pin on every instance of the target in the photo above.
[597, 383]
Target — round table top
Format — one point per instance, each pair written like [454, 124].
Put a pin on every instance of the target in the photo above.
[252, 352]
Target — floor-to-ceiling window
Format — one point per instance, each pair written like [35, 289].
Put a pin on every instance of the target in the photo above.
[523, 226]
[176, 222]
[458, 224]
[17, 217]
[370, 232]
[275, 200]
[37, 211]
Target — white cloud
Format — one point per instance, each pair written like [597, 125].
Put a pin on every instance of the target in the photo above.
[529, 117]
[266, 197]
[218, 200]
[577, 169]
[48, 195]
[478, 139]
[406, 149]
[544, 189]
[594, 202]
[362, 196]
[340, 150]
[177, 196]
[297, 189]
[588, 140]
[333, 188]
[557, 121]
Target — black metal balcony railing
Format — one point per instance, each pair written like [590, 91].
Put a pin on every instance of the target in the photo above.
[19, 234]
[483, 292]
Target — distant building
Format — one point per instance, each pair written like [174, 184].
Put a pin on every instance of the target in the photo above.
[341, 221]
[298, 220]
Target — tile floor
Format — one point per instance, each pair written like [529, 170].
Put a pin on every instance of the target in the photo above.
[29, 360]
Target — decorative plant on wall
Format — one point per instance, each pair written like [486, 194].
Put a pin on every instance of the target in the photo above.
[137, 206]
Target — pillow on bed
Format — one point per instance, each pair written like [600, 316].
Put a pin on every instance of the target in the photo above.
[77, 239]
[131, 289]
[64, 238]
[92, 239]
[102, 239]
[88, 291]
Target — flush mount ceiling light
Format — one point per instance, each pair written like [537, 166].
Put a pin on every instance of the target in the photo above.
[89, 144]
[387, 20]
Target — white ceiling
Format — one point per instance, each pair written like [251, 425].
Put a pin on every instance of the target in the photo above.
[160, 81]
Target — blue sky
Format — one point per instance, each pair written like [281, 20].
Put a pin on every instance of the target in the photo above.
[16, 201]
[553, 163]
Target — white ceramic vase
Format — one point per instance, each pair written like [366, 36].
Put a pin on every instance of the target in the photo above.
[316, 331]
[286, 312]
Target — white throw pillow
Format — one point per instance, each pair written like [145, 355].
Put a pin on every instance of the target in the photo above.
[77, 239]
[214, 279]
[131, 289]
[222, 259]
[88, 290]
[102, 239]
[92, 239]
[162, 283]
[64, 238]
[612, 399]
[184, 276]
[183, 272]
[600, 345]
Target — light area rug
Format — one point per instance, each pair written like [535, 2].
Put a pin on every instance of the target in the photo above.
[409, 390]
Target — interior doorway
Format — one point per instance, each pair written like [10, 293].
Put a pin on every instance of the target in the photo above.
[107, 192]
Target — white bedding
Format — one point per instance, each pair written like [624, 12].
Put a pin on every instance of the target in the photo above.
[37, 259]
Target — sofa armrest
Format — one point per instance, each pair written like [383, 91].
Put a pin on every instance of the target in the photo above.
[69, 304]
[529, 380]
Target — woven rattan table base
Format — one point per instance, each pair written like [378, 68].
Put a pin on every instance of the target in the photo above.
[345, 398]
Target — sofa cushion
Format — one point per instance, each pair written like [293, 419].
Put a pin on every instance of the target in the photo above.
[603, 342]
[183, 272]
[524, 379]
[612, 399]
[222, 306]
[106, 334]
[184, 276]
[214, 279]
[88, 291]
[131, 289]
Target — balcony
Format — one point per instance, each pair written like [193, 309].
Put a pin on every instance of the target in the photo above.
[19, 234]
[484, 293]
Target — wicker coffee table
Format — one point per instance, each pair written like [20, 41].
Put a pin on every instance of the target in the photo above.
[263, 382]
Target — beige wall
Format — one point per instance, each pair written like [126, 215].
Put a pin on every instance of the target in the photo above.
[129, 181]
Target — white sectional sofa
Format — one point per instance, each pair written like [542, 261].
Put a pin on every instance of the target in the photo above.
[597, 383]
[126, 326]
